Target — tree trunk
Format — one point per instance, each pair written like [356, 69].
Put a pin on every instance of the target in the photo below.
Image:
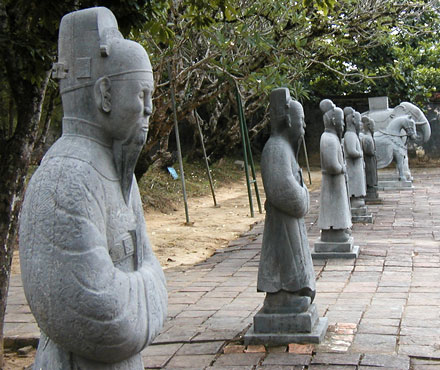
[15, 156]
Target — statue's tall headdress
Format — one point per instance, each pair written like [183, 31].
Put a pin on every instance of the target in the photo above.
[90, 46]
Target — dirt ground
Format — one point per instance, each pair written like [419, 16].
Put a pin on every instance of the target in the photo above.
[176, 243]
[211, 228]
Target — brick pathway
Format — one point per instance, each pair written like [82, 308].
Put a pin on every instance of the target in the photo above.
[383, 308]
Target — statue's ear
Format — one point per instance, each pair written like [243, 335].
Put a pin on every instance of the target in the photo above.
[102, 94]
[400, 111]
[288, 121]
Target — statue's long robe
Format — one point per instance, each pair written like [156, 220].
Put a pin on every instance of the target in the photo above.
[355, 165]
[369, 149]
[334, 209]
[285, 262]
[89, 274]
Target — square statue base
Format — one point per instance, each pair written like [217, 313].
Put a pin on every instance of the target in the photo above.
[359, 215]
[284, 328]
[395, 185]
[372, 197]
[322, 250]
[366, 219]
[359, 211]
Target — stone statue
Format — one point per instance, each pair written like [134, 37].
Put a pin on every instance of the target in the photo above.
[391, 137]
[354, 156]
[355, 168]
[91, 279]
[334, 209]
[369, 149]
[285, 264]
[286, 270]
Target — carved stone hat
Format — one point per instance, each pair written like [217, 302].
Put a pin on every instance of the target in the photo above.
[90, 46]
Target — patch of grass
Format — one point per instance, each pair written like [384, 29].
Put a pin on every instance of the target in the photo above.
[160, 191]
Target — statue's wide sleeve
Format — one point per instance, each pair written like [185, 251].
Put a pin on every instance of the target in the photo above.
[330, 153]
[351, 145]
[80, 299]
[283, 190]
[368, 145]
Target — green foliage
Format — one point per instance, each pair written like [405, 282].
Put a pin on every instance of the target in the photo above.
[160, 191]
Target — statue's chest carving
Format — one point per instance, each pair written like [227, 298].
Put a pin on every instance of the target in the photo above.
[122, 237]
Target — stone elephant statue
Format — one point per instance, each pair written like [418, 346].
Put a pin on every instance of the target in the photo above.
[382, 116]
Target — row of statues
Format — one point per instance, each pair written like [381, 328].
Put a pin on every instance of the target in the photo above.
[285, 270]
[90, 277]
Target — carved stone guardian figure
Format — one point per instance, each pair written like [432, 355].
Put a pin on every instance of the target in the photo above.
[334, 208]
[355, 166]
[396, 129]
[286, 270]
[369, 149]
[91, 279]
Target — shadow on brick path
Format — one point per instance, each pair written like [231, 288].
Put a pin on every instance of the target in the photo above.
[383, 308]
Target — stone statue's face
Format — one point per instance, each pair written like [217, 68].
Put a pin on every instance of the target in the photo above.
[338, 117]
[357, 122]
[296, 115]
[349, 118]
[132, 106]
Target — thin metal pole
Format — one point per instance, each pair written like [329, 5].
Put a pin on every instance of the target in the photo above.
[248, 143]
[179, 150]
[307, 159]
[243, 139]
[208, 172]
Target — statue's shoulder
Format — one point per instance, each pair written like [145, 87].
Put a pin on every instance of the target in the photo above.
[83, 154]
[329, 139]
[276, 148]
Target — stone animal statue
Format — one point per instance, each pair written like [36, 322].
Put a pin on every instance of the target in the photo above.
[91, 279]
[391, 144]
[383, 115]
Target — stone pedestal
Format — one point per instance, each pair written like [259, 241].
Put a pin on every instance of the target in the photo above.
[372, 196]
[395, 184]
[335, 249]
[359, 211]
[285, 328]
[360, 215]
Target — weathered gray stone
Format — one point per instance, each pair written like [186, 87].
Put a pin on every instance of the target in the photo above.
[353, 253]
[91, 279]
[388, 143]
[329, 246]
[285, 235]
[285, 271]
[355, 167]
[334, 210]
[287, 322]
[369, 150]
[274, 339]
[354, 155]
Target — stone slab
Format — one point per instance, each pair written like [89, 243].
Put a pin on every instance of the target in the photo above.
[359, 211]
[321, 246]
[395, 185]
[354, 253]
[275, 339]
[286, 323]
[373, 201]
[366, 219]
